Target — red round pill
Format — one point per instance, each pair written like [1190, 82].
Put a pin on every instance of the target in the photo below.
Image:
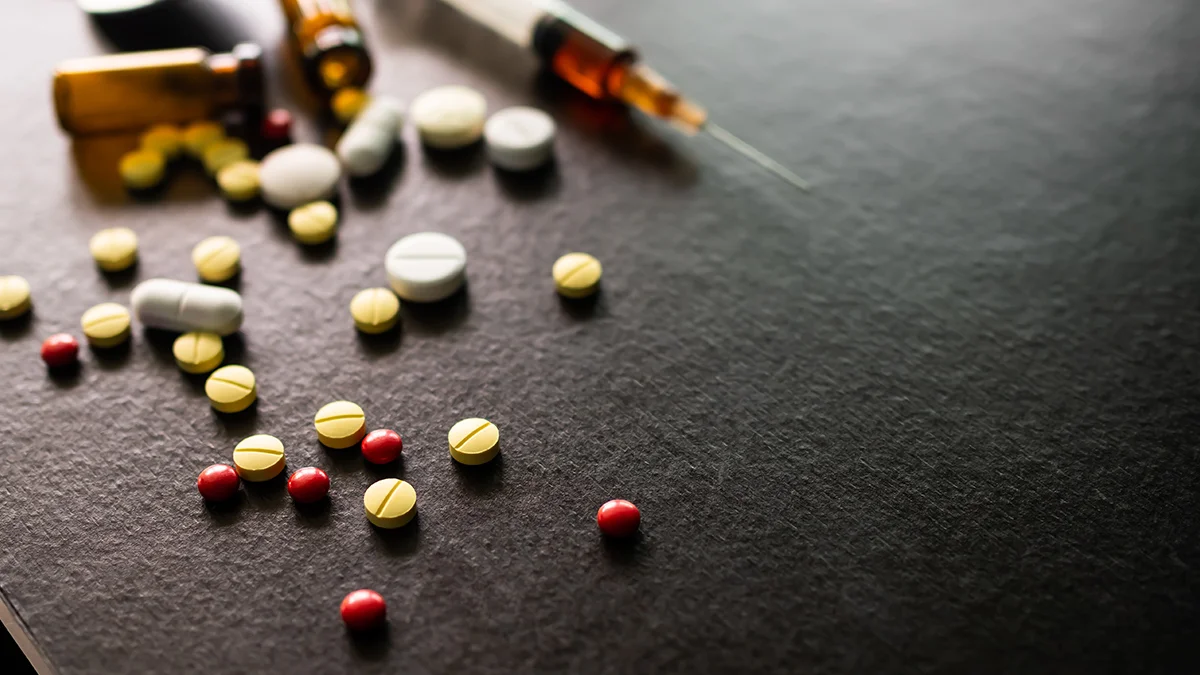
[308, 485]
[363, 609]
[277, 125]
[618, 518]
[382, 446]
[60, 350]
[218, 482]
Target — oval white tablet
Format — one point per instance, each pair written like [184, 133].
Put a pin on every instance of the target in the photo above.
[449, 117]
[298, 174]
[426, 267]
[183, 307]
[370, 139]
[519, 138]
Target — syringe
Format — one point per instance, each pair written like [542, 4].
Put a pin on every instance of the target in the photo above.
[602, 65]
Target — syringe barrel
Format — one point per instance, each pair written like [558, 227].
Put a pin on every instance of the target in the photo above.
[513, 19]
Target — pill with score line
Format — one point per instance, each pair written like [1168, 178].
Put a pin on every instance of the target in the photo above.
[182, 306]
[426, 267]
[259, 458]
[519, 138]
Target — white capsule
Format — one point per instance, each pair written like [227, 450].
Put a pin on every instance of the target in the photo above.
[426, 267]
[369, 141]
[182, 306]
[519, 138]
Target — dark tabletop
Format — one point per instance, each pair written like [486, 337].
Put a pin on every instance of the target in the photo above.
[940, 415]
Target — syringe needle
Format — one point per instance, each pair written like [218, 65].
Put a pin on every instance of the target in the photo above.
[748, 151]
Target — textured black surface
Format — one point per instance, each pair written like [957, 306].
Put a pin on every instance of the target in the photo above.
[939, 416]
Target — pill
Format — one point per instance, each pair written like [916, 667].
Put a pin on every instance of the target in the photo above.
[277, 125]
[15, 297]
[371, 138]
[106, 325]
[390, 503]
[198, 352]
[259, 458]
[347, 103]
[231, 389]
[576, 275]
[218, 482]
[182, 306]
[519, 138]
[426, 267]
[382, 446]
[239, 181]
[60, 350]
[114, 249]
[298, 174]
[618, 518]
[474, 441]
[142, 169]
[308, 485]
[217, 259]
[375, 310]
[197, 136]
[363, 610]
[165, 138]
[313, 223]
[340, 424]
[224, 152]
[449, 117]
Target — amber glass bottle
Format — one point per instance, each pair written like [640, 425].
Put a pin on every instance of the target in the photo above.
[329, 42]
[126, 92]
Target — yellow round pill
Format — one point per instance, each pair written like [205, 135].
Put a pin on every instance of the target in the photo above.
[106, 325]
[239, 181]
[114, 249]
[15, 298]
[142, 169]
[347, 103]
[165, 138]
[197, 136]
[224, 152]
[198, 352]
[340, 424]
[231, 389]
[390, 503]
[313, 223]
[217, 259]
[474, 441]
[375, 310]
[576, 275]
[259, 458]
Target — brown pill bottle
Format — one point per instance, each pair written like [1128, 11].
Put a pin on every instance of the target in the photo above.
[128, 92]
[329, 43]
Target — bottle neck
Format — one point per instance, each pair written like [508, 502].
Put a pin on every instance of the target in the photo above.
[237, 77]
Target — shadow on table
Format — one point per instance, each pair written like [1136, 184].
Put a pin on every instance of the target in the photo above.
[371, 645]
[437, 318]
[401, 541]
[482, 480]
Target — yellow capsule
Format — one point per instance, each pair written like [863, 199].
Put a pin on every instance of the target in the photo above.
[197, 136]
[375, 310]
[231, 389]
[390, 503]
[165, 138]
[15, 298]
[142, 169]
[313, 223]
[198, 352]
[217, 259]
[106, 325]
[239, 181]
[114, 249]
[224, 152]
[347, 103]
[576, 275]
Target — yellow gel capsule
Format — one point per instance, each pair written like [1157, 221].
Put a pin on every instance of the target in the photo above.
[198, 352]
[239, 181]
[474, 441]
[106, 324]
[390, 503]
[114, 249]
[259, 458]
[217, 259]
[199, 135]
[224, 152]
[165, 138]
[142, 169]
[340, 424]
[347, 103]
[231, 389]
[576, 275]
[313, 223]
[375, 310]
[15, 298]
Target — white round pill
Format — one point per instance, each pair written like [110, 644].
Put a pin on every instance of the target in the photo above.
[426, 267]
[519, 139]
[449, 117]
[298, 174]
